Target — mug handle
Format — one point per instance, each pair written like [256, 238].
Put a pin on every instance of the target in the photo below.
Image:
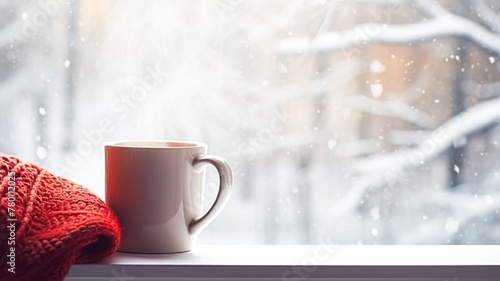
[225, 189]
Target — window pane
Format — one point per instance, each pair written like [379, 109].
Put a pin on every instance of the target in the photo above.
[346, 122]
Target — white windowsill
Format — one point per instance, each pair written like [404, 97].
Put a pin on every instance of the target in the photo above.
[298, 262]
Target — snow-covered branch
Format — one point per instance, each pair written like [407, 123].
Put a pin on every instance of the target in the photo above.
[368, 33]
[387, 169]
[390, 108]
[467, 123]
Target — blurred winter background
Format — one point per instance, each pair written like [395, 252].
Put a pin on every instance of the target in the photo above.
[346, 122]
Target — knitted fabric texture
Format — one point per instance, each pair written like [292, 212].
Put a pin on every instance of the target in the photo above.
[54, 223]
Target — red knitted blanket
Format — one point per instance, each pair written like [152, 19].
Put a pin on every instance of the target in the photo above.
[48, 223]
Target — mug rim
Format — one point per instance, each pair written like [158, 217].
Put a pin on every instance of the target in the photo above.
[154, 144]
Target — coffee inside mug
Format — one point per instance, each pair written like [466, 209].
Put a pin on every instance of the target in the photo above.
[156, 144]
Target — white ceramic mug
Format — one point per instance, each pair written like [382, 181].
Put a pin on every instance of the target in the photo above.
[156, 190]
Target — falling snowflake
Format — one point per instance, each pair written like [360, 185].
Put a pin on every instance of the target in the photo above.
[42, 111]
[376, 89]
[377, 67]
[41, 152]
